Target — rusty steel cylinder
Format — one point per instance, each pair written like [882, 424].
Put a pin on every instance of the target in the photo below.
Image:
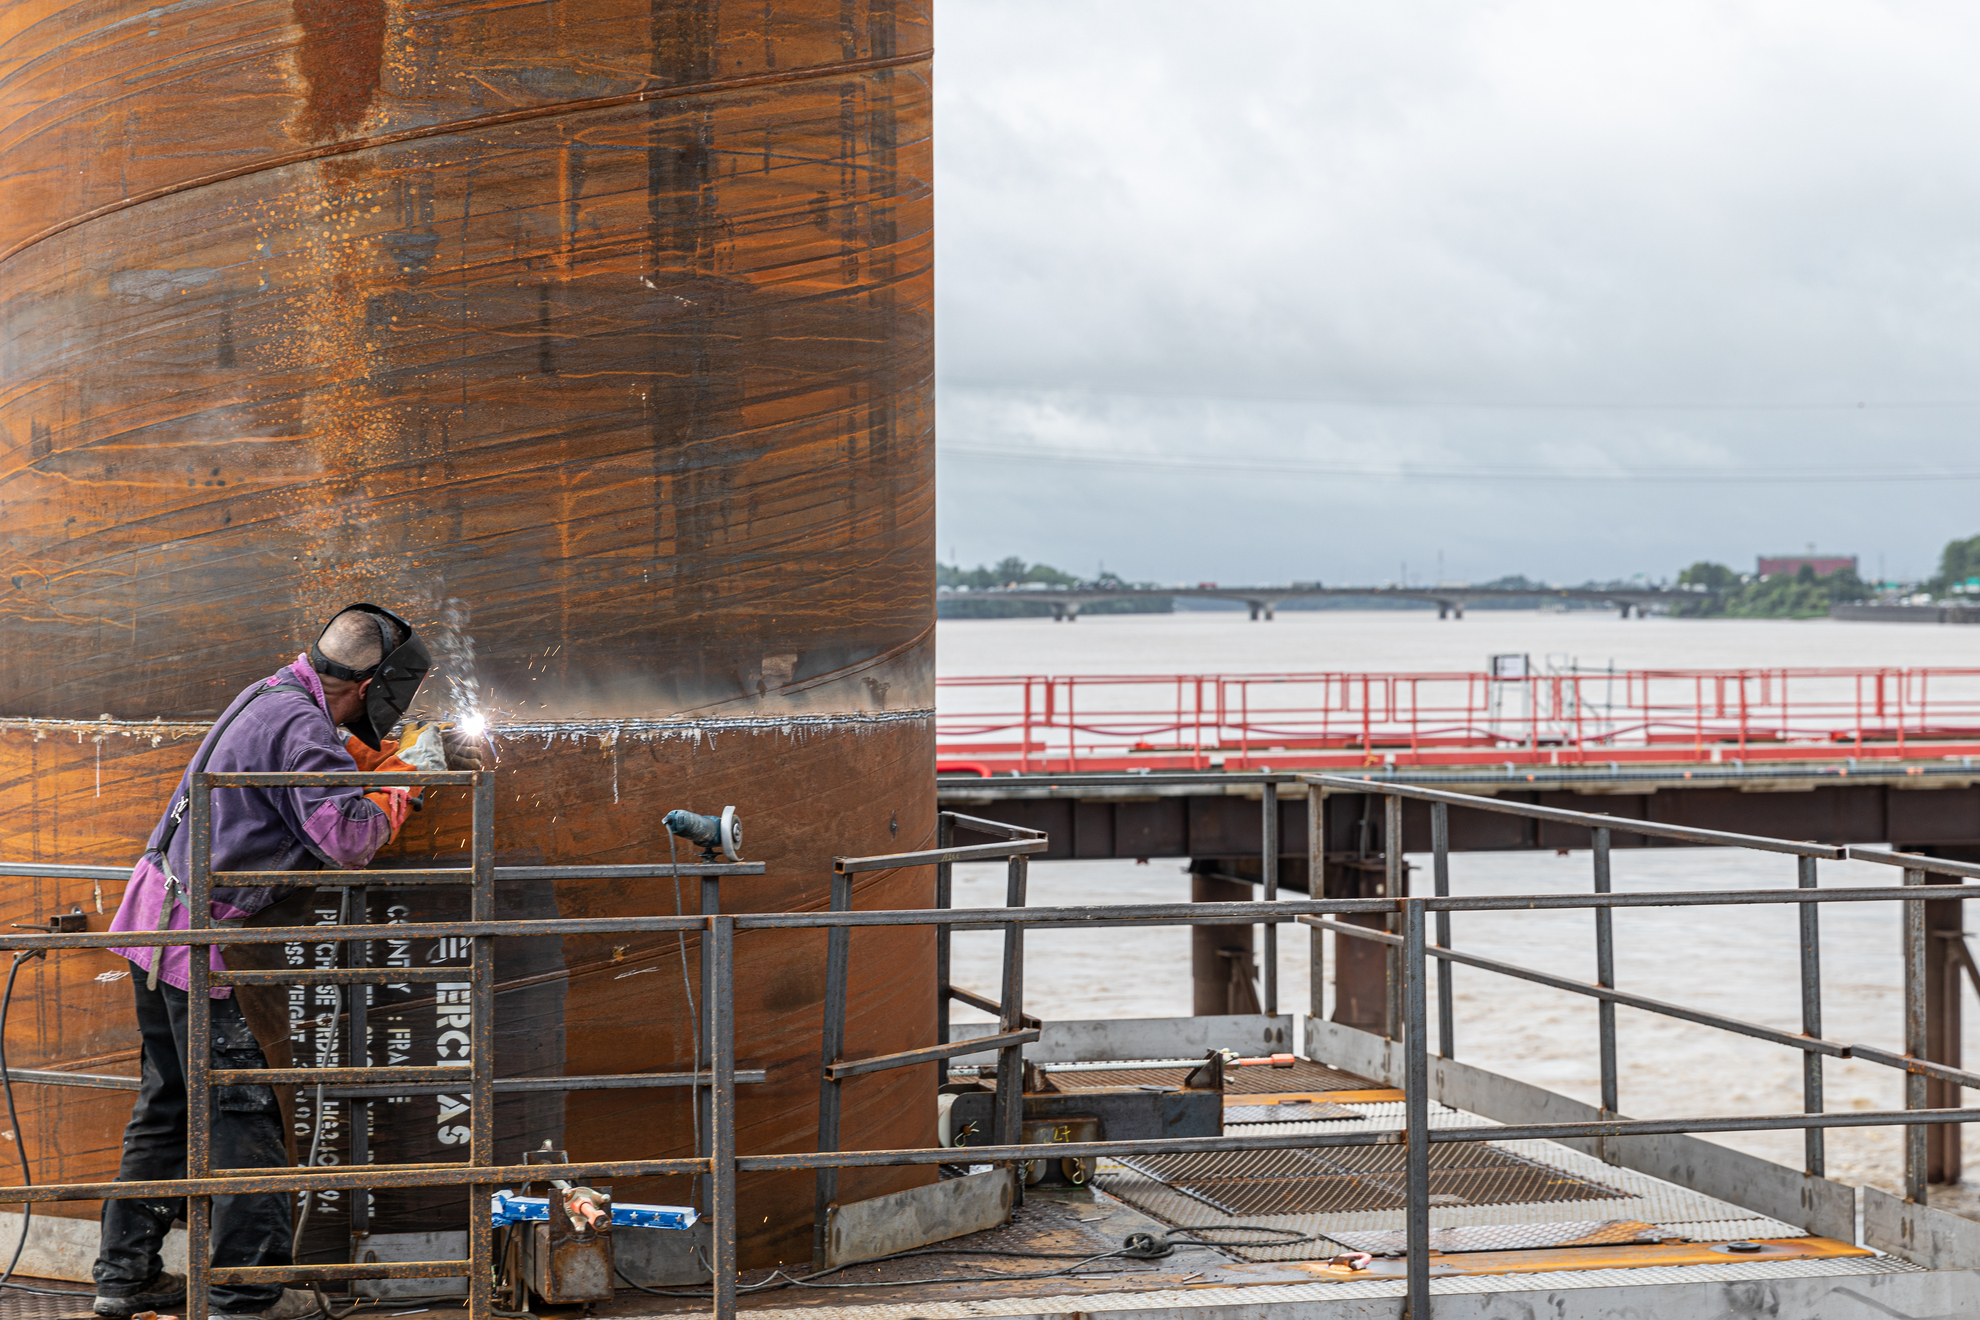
[594, 336]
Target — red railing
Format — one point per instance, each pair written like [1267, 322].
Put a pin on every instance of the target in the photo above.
[1065, 723]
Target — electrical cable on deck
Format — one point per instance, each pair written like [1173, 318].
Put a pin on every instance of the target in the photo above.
[20, 1139]
[1135, 1246]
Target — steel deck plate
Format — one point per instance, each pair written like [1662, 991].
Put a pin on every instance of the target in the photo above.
[1256, 1301]
[1287, 1111]
[1505, 1237]
[1304, 1075]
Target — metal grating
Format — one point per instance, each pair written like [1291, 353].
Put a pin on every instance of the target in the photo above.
[1304, 1075]
[1288, 1111]
[1347, 1178]
[1506, 1237]
[16, 1304]
[1678, 1212]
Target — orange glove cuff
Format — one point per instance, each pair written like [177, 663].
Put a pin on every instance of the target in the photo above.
[367, 759]
[396, 803]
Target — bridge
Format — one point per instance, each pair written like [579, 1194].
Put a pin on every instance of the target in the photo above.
[1449, 598]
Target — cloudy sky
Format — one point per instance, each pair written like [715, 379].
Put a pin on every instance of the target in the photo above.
[1258, 291]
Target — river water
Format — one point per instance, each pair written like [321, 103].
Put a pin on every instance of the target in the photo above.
[1742, 964]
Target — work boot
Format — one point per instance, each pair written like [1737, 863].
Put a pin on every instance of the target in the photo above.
[293, 1304]
[164, 1291]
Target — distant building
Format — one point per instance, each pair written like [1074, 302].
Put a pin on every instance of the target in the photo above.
[1789, 565]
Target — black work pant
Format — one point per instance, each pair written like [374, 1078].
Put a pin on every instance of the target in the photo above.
[247, 1133]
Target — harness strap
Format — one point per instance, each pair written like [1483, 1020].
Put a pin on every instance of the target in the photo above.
[175, 890]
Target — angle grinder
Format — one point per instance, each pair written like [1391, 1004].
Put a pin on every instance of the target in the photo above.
[711, 834]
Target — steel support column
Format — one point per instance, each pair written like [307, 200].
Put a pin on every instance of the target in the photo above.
[1916, 1041]
[1943, 925]
[1416, 1110]
[1815, 1157]
[1269, 865]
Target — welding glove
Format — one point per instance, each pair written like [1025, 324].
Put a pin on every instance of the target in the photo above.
[437, 747]
[422, 748]
[397, 803]
[373, 758]
[464, 750]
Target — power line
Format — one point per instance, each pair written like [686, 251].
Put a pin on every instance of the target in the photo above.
[1666, 475]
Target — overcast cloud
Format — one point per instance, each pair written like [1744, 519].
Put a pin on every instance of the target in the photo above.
[1258, 291]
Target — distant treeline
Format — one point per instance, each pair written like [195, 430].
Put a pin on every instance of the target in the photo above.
[1959, 564]
[1013, 571]
[1805, 594]
[1801, 595]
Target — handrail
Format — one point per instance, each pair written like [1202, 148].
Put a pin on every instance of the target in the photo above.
[1792, 1040]
[996, 829]
[974, 852]
[1915, 862]
[1589, 819]
[386, 875]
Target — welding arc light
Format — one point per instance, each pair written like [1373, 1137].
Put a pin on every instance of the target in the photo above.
[710, 833]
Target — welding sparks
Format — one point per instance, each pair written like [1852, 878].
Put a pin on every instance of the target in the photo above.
[474, 724]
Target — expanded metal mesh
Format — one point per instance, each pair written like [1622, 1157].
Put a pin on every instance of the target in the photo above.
[1677, 1212]
[1304, 1075]
[1345, 1178]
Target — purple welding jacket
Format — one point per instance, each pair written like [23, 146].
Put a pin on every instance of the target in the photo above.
[260, 829]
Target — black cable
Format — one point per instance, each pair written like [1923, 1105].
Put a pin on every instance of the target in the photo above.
[1135, 1246]
[13, 1120]
[20, 1140]
[694, 1016]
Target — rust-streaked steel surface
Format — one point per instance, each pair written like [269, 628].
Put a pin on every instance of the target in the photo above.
[595, 336]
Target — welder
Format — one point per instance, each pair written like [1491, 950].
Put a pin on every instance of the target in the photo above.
[361, 674]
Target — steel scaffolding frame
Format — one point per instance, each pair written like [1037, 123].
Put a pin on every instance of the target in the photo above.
[1413, 953]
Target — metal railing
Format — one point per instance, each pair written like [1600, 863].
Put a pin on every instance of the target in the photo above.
[1409, 955]
[480, 1174]
[1067, 723]
[1268, 785]
[1014, 1030]
[1414, 953]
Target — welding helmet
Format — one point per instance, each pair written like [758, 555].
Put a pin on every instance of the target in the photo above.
[395, 678]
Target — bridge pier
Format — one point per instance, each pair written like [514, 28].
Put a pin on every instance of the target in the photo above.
[1223, 965]
[1259, 607]
[1453, 609]
[1362, 970]
[1064, 613]
[1223, 960]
